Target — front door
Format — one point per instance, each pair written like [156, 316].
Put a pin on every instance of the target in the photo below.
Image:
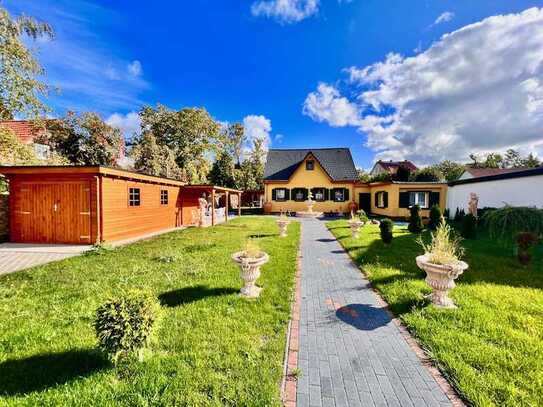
[364, 200]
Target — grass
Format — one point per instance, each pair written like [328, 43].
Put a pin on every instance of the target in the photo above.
[212, 347]
[491, 347]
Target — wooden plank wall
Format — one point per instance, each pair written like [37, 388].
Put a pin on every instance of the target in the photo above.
[121, 221]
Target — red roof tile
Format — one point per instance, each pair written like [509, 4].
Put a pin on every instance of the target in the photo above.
[485, 172]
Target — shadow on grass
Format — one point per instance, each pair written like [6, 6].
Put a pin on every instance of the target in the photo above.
[262, 235]
[40, 372]
[186, 295]
[363, 316]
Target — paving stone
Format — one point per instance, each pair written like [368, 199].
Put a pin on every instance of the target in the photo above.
[351, 353]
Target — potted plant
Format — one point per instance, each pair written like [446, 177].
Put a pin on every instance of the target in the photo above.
[249, 260]
[283, 222]
[355, 224]
[442, 264]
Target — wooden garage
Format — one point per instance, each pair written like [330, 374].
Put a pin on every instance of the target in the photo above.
[88, 204]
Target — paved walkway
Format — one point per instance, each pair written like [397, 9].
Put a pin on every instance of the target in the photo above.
[16, 256]
[350, 352]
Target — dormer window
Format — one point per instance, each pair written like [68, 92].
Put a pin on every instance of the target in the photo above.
[310, 165]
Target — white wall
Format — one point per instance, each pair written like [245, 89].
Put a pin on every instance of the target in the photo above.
[526, 191]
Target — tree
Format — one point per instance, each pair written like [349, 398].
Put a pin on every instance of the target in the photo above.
[234, 139]
[494, 160]
[191, 133]
[12, 151]
[20, 87]
[84, 139]
[531, 161]
[363, 176]
[428, 174]
[223, 171]
[450, 170]
[402, 174]
[251, 173]
[513, 159]
[154, 159]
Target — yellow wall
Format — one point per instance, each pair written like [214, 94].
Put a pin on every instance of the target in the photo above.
[393, 210]
[309, 179]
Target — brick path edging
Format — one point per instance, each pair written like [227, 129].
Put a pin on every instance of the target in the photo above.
[289, 381]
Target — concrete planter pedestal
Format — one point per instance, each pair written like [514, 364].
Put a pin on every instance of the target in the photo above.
[249, 272]
[441, 279]
[355, 226]
[283, 223]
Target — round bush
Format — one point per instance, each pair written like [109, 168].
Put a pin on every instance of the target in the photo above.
[469, 226]
[124, 325]
[415, 221]
[386, 227]
[435, 217]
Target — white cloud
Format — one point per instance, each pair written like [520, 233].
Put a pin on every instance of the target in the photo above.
[444, 17]
[257, 127]
[278, 138]
[285, 11]
[128, 123]
[134, 68]
[327, 105]
[477, 89]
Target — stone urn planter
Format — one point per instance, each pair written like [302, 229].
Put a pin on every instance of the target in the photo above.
[283, 223]
[249, 271]
[355, 225]
[441, 279]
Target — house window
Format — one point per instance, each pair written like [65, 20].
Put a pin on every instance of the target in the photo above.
[134, 198]
[339, 195]
[164, 197]
[381, 199]
[418, 198]
[319, 194]
[280, 195]
[299, 195]
[310, 165]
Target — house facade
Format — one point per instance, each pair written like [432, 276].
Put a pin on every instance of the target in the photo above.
[332, 179]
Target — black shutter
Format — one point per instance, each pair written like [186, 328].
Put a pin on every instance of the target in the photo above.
[326, 194]
[345, 194]
[274, 194]
[404, 199]
[434, 198]
[287, 194]
[332, 195]
[385, 199]
[306, 193]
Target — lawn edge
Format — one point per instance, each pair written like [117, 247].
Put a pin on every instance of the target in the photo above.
[289, 383]
[450, 391]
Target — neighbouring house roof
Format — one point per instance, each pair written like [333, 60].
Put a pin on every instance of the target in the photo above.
[485, 172]
[24, 130]
[337, 162]
[504, 175]
[392, 166]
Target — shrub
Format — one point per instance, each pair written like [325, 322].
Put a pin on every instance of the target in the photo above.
[435, 217]
[362, 215]
[124, 325]
[469, 227]
[447, 214]
[428, 174]
[386, 227]
[459, 215]
[415, 221]
[444, 247]
[525, 240]
[505, 223]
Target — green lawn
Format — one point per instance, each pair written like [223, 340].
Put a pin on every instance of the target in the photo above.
[212, 347]
[491, 348]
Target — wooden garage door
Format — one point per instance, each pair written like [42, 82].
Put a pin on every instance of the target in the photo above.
[52, 213]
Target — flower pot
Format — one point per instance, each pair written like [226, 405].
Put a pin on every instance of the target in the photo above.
[267, 207]
[283, 223]
[249, 272]
[355, 226]
[441, 279]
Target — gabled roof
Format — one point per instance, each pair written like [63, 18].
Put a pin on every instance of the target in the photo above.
[23, 129]
[392, 166]
[485, 172]
[336, 162]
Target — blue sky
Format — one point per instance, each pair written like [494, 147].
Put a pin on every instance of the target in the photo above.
[238, 61]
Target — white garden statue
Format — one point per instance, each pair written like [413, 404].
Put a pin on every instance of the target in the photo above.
[473, 203]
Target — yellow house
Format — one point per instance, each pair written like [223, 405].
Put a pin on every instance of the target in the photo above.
[331, 177]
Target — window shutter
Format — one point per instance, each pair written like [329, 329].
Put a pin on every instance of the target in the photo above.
[306, 193]
[385, 199]
[345, 194]
[287, 194]
[331, 197]
[274, 194]
[326, 194]
[434, 198]
[404, 199]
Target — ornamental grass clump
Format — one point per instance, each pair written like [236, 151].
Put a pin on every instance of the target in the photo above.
[444, 247]
[251, 249]
[124, 325]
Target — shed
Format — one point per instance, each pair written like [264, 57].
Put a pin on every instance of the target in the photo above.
[88, 204]
[219, 202]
